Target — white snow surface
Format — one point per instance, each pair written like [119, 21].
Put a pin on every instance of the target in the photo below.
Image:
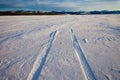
[60, 47]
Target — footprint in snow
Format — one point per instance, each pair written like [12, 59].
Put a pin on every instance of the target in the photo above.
[85, 40]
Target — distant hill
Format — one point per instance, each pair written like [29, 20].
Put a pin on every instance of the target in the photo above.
[22, 12]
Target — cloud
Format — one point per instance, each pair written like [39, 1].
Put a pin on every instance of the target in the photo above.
[81, 5]
[59, 5]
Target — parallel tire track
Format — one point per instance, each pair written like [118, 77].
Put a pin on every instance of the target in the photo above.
[87, 71]
[39, 63]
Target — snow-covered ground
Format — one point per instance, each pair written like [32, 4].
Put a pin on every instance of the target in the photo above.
[60, 47]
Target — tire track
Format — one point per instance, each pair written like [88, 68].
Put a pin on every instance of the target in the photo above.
[40, 61]
[86, 69]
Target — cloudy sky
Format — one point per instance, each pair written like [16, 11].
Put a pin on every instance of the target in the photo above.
[60, 5]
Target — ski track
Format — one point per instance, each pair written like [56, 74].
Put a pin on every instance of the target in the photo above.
[87, 71]
[17, 35]
[39, 63]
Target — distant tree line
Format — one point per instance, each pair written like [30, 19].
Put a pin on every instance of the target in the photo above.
[22, 12]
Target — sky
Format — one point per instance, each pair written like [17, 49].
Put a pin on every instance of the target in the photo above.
[60, 5]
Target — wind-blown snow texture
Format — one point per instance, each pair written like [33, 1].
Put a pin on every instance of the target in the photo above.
[60, 47]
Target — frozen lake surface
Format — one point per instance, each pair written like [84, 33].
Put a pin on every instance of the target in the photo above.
[60, 47]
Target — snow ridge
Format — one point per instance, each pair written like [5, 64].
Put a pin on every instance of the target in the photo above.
[87, 71]
[39, 63]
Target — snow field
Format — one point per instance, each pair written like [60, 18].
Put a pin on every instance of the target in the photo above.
[61, 47]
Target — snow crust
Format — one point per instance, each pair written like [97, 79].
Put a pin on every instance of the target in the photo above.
[60, 47]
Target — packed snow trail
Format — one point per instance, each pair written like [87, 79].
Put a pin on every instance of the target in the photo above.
[87, 71]
[37, 67]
